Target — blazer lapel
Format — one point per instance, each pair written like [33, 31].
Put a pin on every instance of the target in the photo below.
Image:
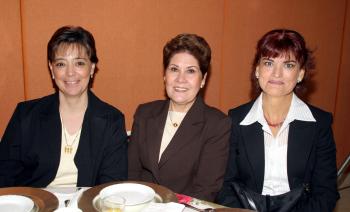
[253, 140]
[51, 130]
[154, 133]
[89, 144]
[190, 128]
[300, 143]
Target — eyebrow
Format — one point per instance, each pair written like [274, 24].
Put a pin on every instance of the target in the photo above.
[77, 58]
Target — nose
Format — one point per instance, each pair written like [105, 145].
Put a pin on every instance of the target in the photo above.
[277, 71]
[70, 70]
[181, 77]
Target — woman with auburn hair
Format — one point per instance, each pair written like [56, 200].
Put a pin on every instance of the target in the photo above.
[181, 142]
[282, 150]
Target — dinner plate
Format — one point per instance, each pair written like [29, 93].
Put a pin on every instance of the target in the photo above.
[15, 203]
[44, 201]
[90, 196]
[133, 193]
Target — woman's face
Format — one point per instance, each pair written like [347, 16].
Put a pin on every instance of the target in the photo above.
[183, 80]
[278, 76]
[71, 69]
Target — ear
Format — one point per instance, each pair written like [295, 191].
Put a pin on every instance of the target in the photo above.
[204, 80]
[301, 75]
[92, 71]
[257, 72]
[51, 71]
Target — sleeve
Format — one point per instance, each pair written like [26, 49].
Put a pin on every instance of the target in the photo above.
[211, 169]
[135, 167]
[10, 146]
[323, 182]
[227, 196]
[115, 162]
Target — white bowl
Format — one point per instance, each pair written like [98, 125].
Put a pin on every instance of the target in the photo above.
[137, 196]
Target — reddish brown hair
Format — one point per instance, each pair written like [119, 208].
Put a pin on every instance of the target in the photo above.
[283, 42]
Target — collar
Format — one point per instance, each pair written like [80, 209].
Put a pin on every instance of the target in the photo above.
[298, 111]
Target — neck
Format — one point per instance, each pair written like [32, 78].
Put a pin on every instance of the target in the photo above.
[276, 108]
[180, 107]
[73, 105]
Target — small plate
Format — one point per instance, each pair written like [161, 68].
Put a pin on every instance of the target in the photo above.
[96, 201]
[133, 193]
[16, 203]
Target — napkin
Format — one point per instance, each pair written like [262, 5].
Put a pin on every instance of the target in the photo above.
[164, 207]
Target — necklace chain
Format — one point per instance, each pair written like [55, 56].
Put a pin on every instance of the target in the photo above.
[68, 148]
[174, 124]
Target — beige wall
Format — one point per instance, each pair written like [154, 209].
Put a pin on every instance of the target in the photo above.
[130, 35]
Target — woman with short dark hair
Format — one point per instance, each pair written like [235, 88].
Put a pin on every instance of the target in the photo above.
[181, 142]
[70, 138]
[282, 151]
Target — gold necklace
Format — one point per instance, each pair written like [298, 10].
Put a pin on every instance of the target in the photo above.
[174, 124]
[68, 148]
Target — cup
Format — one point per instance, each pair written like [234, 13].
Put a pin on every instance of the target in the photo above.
[112, 203]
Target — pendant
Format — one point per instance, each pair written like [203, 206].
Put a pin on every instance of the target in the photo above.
[68, 149]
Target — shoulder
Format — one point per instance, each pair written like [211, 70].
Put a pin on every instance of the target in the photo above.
[238, 113]
[36, 105]
[101, 108]
[322, 117]
[213, 113]
[150, 109]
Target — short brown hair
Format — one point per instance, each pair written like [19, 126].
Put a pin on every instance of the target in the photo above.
[192, 44]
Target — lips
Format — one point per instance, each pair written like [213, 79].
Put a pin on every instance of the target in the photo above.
[276, 82]
[180, 89]
[72, 82]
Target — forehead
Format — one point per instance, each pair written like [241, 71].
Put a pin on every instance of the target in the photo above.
[281, 56]
[66, 49]
[185, 58]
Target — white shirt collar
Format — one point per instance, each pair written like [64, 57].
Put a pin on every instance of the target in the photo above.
[298, 111]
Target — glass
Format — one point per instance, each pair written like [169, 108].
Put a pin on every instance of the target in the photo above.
[112, 203]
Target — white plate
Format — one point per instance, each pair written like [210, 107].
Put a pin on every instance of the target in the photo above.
[133, 193]
[15, 203]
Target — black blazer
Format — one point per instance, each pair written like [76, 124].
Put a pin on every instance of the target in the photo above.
[311, 158]
[31, 146]
[195, 160]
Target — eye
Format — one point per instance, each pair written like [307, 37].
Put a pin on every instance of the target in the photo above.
[80, 63]
[59, 64]
[289, 65]
[191, 70]
[173, 69]
[267, 63]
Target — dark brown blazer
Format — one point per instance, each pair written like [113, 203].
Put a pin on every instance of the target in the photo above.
[194, 162]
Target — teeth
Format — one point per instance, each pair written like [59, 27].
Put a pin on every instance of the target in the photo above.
[71, 82]
[180, 89]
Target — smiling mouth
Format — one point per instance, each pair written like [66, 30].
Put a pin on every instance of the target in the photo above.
[71, 82]
[180, 89]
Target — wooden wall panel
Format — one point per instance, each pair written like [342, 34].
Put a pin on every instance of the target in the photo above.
[130, 35]
[11, 69]
[318, 21]
[342, 109]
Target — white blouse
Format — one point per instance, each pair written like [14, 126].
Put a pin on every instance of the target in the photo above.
[275, 148]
